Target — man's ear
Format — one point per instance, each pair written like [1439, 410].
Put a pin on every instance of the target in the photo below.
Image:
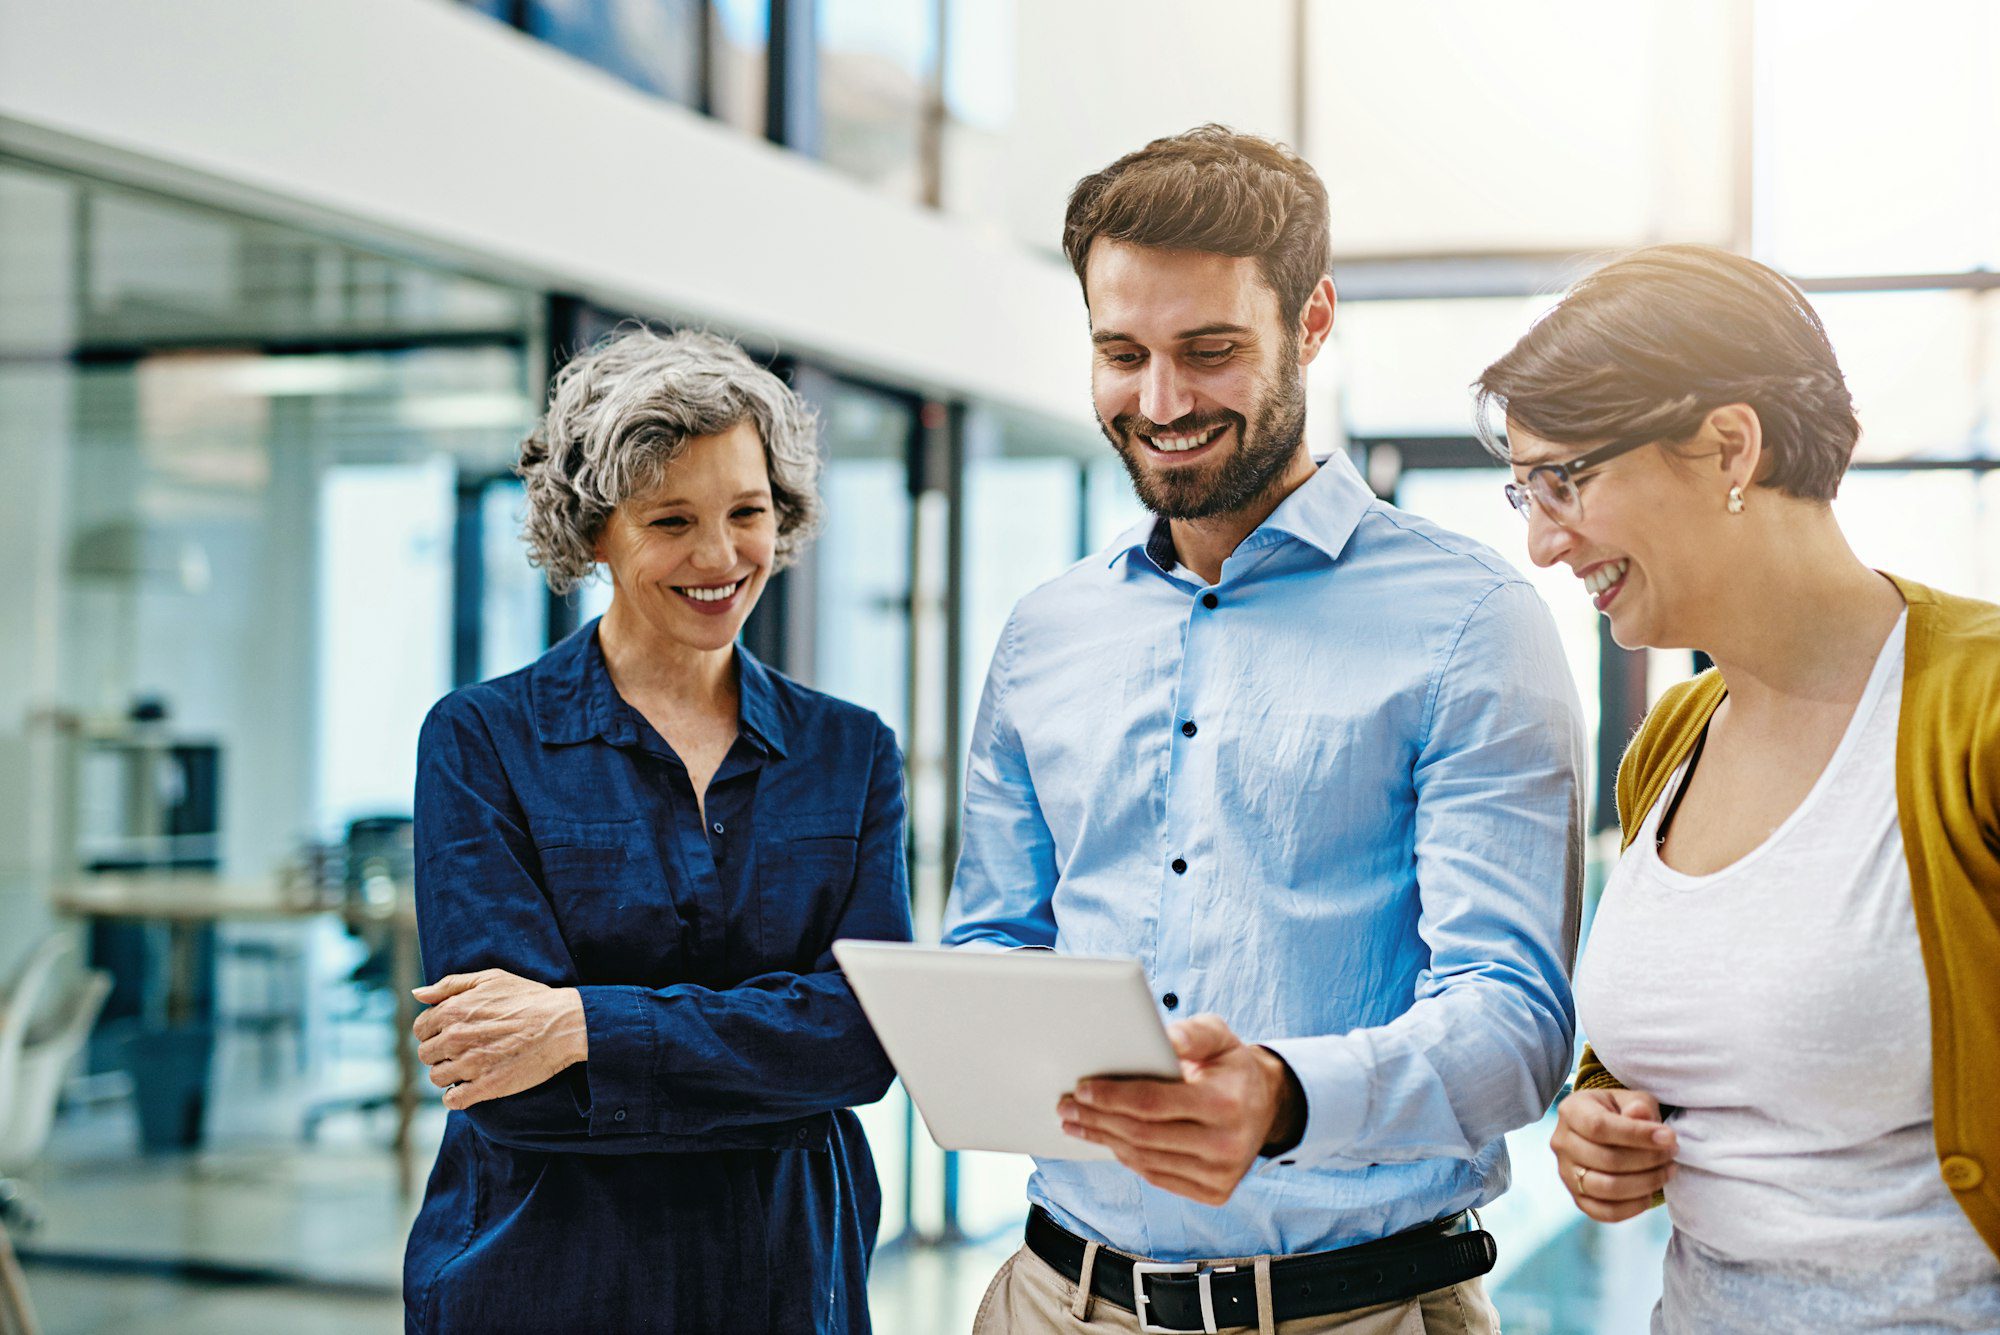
[1316, 321]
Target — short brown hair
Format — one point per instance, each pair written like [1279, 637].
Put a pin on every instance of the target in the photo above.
[1650, 344]
[1210, 189]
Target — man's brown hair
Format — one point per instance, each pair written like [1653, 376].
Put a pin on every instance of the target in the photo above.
[1210, 189]
[1650, 344]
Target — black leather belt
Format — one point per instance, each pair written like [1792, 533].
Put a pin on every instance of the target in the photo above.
[1192, 1295]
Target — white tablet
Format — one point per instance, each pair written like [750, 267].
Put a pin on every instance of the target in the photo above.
[987, 1042]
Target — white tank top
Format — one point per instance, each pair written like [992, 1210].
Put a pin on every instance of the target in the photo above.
[1782, 1005]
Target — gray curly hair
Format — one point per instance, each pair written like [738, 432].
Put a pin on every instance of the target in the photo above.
[620, 413]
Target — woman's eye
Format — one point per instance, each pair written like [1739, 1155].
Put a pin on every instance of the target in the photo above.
[671, 521]
[750, 512]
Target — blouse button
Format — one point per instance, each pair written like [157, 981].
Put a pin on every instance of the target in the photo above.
[618, 1116]
[717, 827]
[1962, 1172]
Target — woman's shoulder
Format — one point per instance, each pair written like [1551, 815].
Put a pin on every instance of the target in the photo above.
[499, 704]
[1960, 637]
[819, 713]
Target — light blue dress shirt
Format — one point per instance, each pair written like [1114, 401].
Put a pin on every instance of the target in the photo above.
[1362, 746]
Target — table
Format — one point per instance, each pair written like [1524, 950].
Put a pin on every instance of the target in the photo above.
[184, 901]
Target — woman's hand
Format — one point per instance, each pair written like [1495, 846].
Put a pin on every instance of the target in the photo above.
[1613, 1151]
[490, 1034]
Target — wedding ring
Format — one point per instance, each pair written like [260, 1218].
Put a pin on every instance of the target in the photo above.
[1580, 1171]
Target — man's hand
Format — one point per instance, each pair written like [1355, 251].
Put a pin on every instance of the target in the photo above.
[1197, 1138]
[1613, 1151]
[490, 1034]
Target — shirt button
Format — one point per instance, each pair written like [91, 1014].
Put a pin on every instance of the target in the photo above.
[1286, 1163]
[1171, 1000]
[618, 1116]
[1962, 1172]
[803, 1135]
[1208, 600]
[717, 827]
[1188, 728]
[1180, 866]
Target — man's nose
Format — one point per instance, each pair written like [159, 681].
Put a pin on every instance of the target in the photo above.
[1164, 396]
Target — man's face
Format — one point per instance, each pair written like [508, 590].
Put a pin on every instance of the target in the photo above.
[1197, 379]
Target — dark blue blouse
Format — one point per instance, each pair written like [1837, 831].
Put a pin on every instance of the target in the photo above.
[701, 1171]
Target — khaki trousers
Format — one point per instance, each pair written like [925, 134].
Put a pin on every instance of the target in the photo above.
[1031, 1297]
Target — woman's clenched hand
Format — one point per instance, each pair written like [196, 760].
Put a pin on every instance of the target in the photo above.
[490, 1034]
[1613, 1151]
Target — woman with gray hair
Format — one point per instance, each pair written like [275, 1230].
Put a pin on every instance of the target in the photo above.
[633, 857]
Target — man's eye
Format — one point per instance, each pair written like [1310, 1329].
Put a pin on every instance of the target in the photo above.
[1123, 358]
[1210, 355]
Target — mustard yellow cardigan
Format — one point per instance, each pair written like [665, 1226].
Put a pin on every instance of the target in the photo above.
[1948, 796]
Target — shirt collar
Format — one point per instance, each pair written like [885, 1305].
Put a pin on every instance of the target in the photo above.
[1321, 513]
[576, 701]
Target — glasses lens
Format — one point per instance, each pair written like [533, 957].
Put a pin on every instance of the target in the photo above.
[1556, 495]
[1517, 496]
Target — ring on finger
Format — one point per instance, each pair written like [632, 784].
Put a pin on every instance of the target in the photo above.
[1580, 1171]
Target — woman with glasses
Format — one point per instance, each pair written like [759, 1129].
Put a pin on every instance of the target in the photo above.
[1792, 985]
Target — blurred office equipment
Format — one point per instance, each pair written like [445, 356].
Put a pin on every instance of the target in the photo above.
[42, 1029]
[377, 904]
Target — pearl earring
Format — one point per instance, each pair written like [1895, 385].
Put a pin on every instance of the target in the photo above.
[1736, 500]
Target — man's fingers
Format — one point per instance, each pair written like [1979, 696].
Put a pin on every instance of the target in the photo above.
[1202, 1038]
[1205, 1190]
[1177, 1173]
[1152, 1100]
[1180, 1136]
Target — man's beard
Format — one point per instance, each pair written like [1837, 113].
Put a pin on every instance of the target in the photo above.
[1263, 451]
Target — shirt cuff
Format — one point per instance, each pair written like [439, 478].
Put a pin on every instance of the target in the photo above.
[1333, 1070]
[620, 1071]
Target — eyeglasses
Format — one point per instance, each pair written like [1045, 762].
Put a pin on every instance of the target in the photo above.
[1553, 486]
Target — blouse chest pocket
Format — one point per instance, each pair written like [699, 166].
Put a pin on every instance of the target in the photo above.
[805, 875]
[611, 900]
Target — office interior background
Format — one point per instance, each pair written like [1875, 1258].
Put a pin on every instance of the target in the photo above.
[282, 286]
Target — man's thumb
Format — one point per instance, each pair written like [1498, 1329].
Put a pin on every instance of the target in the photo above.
[1202, 1038]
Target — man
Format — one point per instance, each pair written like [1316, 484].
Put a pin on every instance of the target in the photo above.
[1313, 761]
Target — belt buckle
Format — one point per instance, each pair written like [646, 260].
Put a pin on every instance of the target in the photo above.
[1141, 1269]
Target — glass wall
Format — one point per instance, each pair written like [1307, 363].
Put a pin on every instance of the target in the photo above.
[875, 63]
[236, 453]
[653, 45]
